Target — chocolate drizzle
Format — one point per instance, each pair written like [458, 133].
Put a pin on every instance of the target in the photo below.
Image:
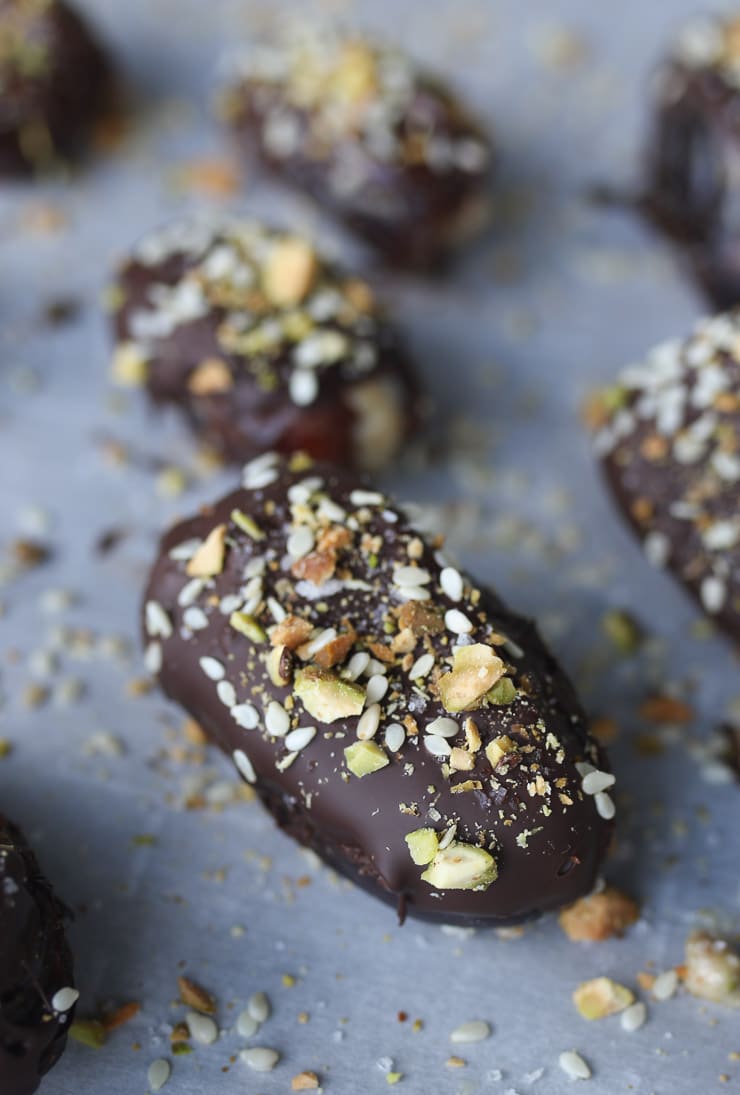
[35, 963]
[306, 557]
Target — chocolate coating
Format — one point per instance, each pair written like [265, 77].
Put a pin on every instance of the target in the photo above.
[378, 142]
[35, 964]
[262, 344]
[693, 189]
[54, 81]
[364, 603]
[671, 454]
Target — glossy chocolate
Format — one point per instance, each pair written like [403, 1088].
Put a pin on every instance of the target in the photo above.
[35, 969]
[305, 575]
[262, 343]
[670, 445]
[377, 141]
[54, 81]
[693, 189]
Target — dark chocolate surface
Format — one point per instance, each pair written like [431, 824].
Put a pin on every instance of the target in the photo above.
[262, 344]
[35, 964]
[693, 183]
[671, 455]
[337, 559]
[54, 80]
[378, 142]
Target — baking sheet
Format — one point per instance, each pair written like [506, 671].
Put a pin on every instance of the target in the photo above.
[553, 302]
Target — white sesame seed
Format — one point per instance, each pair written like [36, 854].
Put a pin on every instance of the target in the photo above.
[366, 498]
[438, 747]
[375, 667]
[328, 635]
[451, 582]
[158, 1074]
[153, 657]
[448, 836]
[246, 1025]
[244, 764]
[260, 472]
[665, 985]
[300, 542]
[226, 693]
[395, 736]
[657, 548]
[260, 1059]
[377, 686]
[246, 715]
[357, 665]
[157, 620]
[284, 763]
[422, 666]
[604, 805]
[232, 602]
[184, 551]
[442, 727]
[633, 1017]
[202, 1028]
[303, 387]
[574, 1066]
[190, 592]
[276, 609]
[299, 738]
[258, 1006]
[722, 535]
[368, 722]
[713, 593]
[411, 576]
[212, 668]
[457, 622]
[277, 720]
[333, 512]
[594, 782]
[301, 493]
[474, 1031]
[64, 999]
[195, 618]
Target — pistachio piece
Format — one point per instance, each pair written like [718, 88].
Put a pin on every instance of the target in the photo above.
[365, 757]
[601, 997]
[503, 692]
[712, 970]
[247, 524]
[498, 748]
[247, 625]
[130, 366]
[461, 867]
[208, 560]
[475, 670]
[278, 665]
[327, 697]
[423, 845]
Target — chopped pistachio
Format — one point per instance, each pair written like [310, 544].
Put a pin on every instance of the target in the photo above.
[623, 631]
[498, 748]
[475, 670]
[712, 970]
[327, 697]
[247, 625]
[89, 1032]
[503, 692]
[461, 867]
[247, 524]
[278, 662]
[423, 845]
[365, 757]
[129, 367]
[601, 997]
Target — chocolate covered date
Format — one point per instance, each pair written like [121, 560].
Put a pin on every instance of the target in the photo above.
[54, 80]
[262, 343]
[670, 443]
[375, 140]
[392, 716]
[693, 182]
[37, 996]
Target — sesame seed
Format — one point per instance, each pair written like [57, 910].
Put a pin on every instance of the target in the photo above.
[246, 1025]
[377, 686]
[633, 1017]
[358, 663]
[301, 493]
[184, 551]
[64, 999]
[300, 542]
[153, 657]
[574, 1066]
[474, 1031]
[277, 720]
[367, 724]
[244, 764]
[395, 736]
[260, 472]
[411, 576]
[299, 738]
[258, 1006]
[157, 620]
[604, 806]
[303, 387]
[657, 548]
[190, 592]
[713, 594]
[442, 727]
[594, 782]
[451, 582]
[212, 668]
[260, 1059]
[202, 1028]
[438, 747]
[195, 618]
[246, 715]
[158, 1074]
[226, 693]
[422, 666]
[366, 498]
[665, 985]
[457, 622]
